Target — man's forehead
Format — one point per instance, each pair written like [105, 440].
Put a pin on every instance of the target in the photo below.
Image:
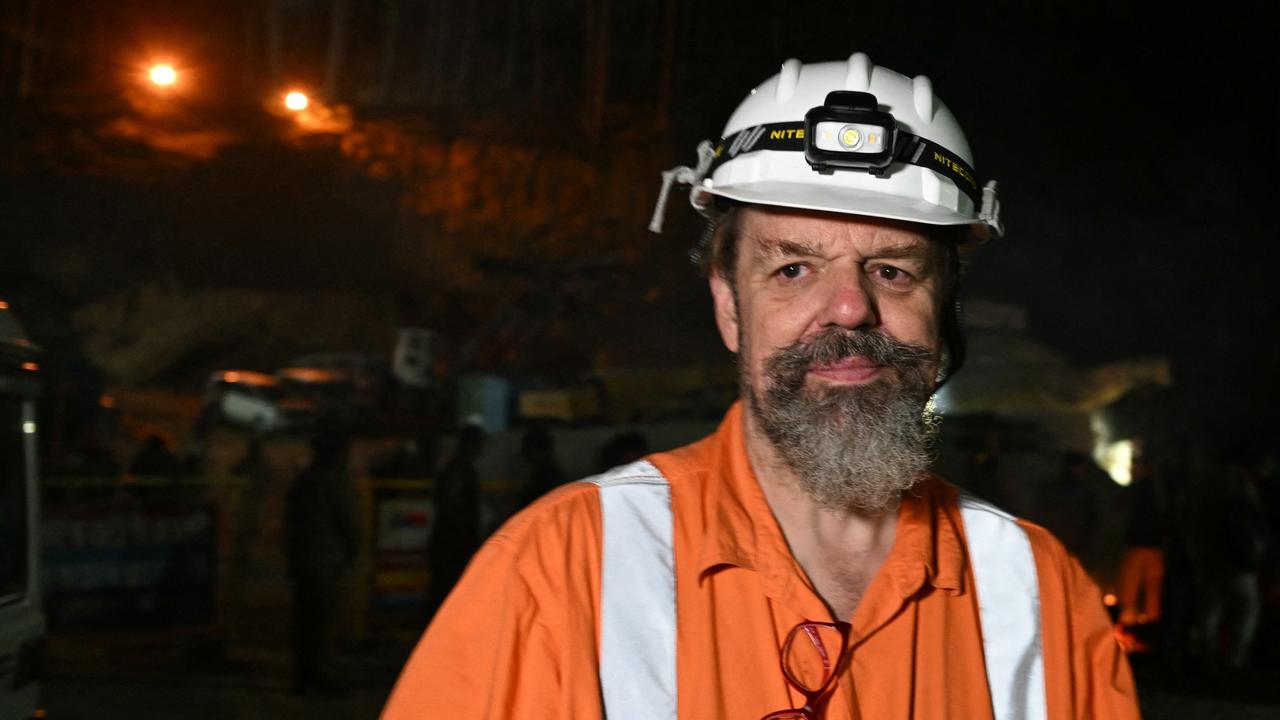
[772, 232]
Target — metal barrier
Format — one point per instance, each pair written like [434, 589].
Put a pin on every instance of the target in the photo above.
[208, 550]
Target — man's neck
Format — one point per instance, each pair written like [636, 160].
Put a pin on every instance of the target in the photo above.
[839, 549]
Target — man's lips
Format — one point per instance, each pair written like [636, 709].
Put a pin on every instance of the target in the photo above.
[849, 370]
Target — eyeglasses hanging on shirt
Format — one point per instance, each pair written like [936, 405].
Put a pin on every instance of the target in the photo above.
[811, 660]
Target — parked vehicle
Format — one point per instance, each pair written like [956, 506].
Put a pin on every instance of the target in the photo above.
[338, 394]
[22, 622]
[364, 378]
[256, 401]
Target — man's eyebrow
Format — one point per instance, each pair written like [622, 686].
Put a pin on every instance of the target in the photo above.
[909, 249]
[775, 247]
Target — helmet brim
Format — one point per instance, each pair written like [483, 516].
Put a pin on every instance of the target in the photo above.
[849, 201]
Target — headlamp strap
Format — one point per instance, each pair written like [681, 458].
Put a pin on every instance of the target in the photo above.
[784, 136]
[908, 148]
[923, 152]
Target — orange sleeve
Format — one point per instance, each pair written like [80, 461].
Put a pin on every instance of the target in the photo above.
[517, 637]
[1109, 691]
[1087, 674]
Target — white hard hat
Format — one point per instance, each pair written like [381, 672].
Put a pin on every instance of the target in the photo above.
[846, 137]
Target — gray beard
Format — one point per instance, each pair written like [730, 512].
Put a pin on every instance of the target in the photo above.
[856, 447]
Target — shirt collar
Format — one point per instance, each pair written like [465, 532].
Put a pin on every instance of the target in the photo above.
[737, 511]
[741, 530]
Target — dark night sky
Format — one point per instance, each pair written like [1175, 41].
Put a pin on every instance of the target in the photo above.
[1134, 149]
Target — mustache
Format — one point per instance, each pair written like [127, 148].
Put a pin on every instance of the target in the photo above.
[838, 344]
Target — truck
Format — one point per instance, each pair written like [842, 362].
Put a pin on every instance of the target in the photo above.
[22, 622]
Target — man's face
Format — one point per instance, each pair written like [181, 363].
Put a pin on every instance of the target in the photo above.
[835, 322]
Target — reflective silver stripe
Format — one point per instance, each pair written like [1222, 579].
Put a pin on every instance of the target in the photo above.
[637, 595]
[1009, 605]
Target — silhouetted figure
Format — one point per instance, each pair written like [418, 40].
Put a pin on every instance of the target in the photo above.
[1179, 518]
[155, 458]
[321, 535]
[538, 450]
[622, 449]
[1268, 483]
[1140, 585]
[1228, 544]
[455, 534]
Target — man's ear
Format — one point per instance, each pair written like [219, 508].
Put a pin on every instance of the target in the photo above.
[726, 311]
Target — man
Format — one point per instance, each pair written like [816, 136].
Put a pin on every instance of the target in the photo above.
[455, 534]
[538, 450]
[321, 537]
[800, 562]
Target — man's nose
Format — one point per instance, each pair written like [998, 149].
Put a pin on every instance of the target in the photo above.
[848, 303]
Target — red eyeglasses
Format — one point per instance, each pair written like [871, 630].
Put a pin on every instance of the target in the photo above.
[811, 659]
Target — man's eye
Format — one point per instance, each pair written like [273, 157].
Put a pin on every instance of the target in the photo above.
[792, 271]
[892, 274]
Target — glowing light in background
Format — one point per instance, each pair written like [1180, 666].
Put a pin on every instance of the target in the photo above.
[1112, 454]
[296, 101]
[163, 75]
[1117, 459]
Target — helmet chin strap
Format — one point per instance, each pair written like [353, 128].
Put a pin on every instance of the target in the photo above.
[953, 339]
[989, 213]
[952, 329]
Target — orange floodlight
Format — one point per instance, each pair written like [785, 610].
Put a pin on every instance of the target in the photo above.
[162, 75]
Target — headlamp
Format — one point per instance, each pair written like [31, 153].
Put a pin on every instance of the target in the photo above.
[849, 132]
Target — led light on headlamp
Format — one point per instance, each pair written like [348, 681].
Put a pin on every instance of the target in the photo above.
[849, 137]
[849, 131]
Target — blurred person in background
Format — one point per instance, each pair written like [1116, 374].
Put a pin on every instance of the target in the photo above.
[321, 535]
[155, 459]
[538, 451]
[1228, 542]
[1142, 567]
[621, 449]
[1268, 484]
[455, 534]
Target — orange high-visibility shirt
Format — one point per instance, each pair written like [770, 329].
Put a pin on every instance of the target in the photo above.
[519, 635]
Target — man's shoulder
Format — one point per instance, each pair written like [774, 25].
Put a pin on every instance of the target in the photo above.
[1046, 547]
[1059, 571]
[689, 463]
[1053, 559]
[569, 508]
[576, 504]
